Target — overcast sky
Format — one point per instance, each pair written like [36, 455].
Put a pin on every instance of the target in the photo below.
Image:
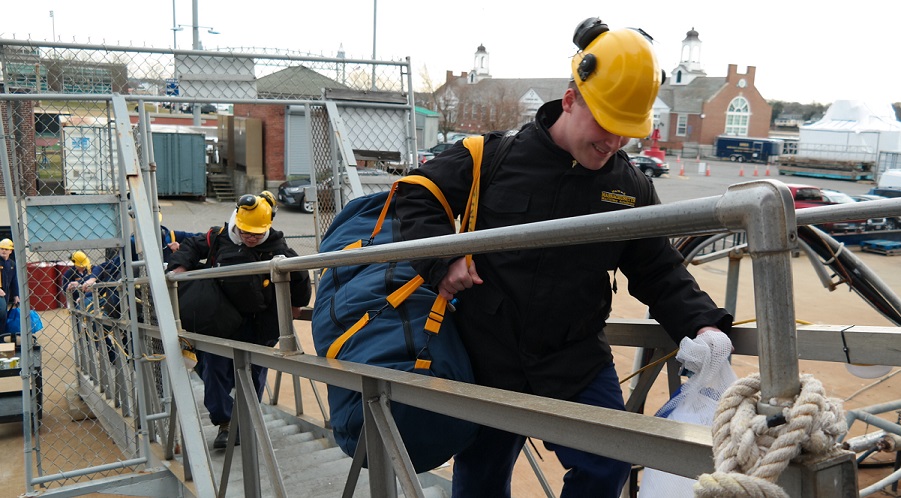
[804, 51]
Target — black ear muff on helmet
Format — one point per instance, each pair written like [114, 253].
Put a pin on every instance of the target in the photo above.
[587, 31]
[247, 200]
[267, 195]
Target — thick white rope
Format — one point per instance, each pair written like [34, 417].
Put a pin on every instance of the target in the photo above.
[749, 456]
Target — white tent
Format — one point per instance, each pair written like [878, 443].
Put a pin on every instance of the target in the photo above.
[852, 130]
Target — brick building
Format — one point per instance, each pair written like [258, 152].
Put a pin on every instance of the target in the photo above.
[692, 109]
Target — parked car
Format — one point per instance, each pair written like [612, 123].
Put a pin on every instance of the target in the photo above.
[806, 196]
[650, 166]
[291, 194]
[438, 149]
[878, 223]
[886, 191]
[204, 108]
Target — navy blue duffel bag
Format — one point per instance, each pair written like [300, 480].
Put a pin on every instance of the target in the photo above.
[408, 332]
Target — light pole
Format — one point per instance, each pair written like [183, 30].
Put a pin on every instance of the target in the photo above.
[375, 9]
[174, 28]
[53, 24]
[196, 45]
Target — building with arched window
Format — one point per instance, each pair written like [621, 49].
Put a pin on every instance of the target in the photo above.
[692, 109]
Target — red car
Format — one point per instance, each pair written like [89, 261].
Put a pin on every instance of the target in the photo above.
[806, 196]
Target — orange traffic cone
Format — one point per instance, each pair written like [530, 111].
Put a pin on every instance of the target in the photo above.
[767, 170]
[755, 170]
[741, 170]
[681, 167]
[707, 173]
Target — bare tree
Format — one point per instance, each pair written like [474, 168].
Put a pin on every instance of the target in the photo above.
[501, 110]
[443, 100]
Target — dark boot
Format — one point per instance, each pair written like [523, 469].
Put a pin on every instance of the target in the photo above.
[221, 440]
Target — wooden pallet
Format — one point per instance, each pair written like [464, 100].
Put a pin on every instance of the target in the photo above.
[884, 247]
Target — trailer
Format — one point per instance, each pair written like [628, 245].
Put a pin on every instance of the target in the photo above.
[833, 161]
[850, 142]
[748, 149]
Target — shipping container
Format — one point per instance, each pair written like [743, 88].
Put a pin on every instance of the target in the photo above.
[89, 153]
[180, 164]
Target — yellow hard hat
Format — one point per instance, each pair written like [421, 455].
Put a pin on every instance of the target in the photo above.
[6, 244]
[618, 76]
[80, 259]
[254, 214]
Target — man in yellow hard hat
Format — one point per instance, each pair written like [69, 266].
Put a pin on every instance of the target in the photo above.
[533, 320]
[246, 238]
[9, 282]
[77, 276]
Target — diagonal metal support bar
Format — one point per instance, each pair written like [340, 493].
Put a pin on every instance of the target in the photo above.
[183, 395]
[257, 425]
[345, 149]
[394, 446]
[353, 476]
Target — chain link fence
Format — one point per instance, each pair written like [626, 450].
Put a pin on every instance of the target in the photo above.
[91, 376]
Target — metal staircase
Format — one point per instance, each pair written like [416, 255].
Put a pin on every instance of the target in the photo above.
[220, 186]
[308, 458]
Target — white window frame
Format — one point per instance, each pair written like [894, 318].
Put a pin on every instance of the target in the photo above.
[681, 125]
[738, 117]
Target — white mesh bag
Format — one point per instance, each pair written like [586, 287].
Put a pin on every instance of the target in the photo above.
[707, 357]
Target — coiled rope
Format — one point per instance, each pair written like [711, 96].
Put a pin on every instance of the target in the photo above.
[752, 450]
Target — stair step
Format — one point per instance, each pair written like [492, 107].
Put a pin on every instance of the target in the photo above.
[307, 460]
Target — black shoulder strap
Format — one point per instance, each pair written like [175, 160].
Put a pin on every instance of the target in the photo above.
[210, 242]
[499, 154]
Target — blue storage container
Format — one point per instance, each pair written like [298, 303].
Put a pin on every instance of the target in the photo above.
[180, 164]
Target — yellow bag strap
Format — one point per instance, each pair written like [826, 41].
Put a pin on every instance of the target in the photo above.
[339, 342]
[476, 147]
[415, 180]
[396, 298]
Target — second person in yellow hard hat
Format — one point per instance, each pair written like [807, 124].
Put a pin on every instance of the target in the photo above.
[247, 237]
[76, 279]
[9, 281]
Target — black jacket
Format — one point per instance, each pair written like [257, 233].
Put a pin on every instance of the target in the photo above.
[252, 295]
[536, 324]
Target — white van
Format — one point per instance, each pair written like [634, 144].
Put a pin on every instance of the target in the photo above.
[890, 178]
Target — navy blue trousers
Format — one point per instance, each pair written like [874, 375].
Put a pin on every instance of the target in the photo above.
[3, 305]
[218, 374]
[485, 468]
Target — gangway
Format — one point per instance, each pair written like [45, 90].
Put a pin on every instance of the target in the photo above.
[163, 435]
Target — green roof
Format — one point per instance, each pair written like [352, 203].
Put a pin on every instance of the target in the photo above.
[426, 112]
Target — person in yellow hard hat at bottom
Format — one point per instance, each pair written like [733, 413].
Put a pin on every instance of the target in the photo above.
[246, 238]
[533, 320]
[75, 278]
[9, 282]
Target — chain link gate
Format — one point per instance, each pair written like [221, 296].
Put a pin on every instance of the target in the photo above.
[95, 382]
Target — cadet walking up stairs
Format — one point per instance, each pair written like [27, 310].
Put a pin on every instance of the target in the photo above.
[310, 462]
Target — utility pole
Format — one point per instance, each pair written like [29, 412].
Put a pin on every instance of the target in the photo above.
[375, 4]
[195, 29]
[174, 28]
